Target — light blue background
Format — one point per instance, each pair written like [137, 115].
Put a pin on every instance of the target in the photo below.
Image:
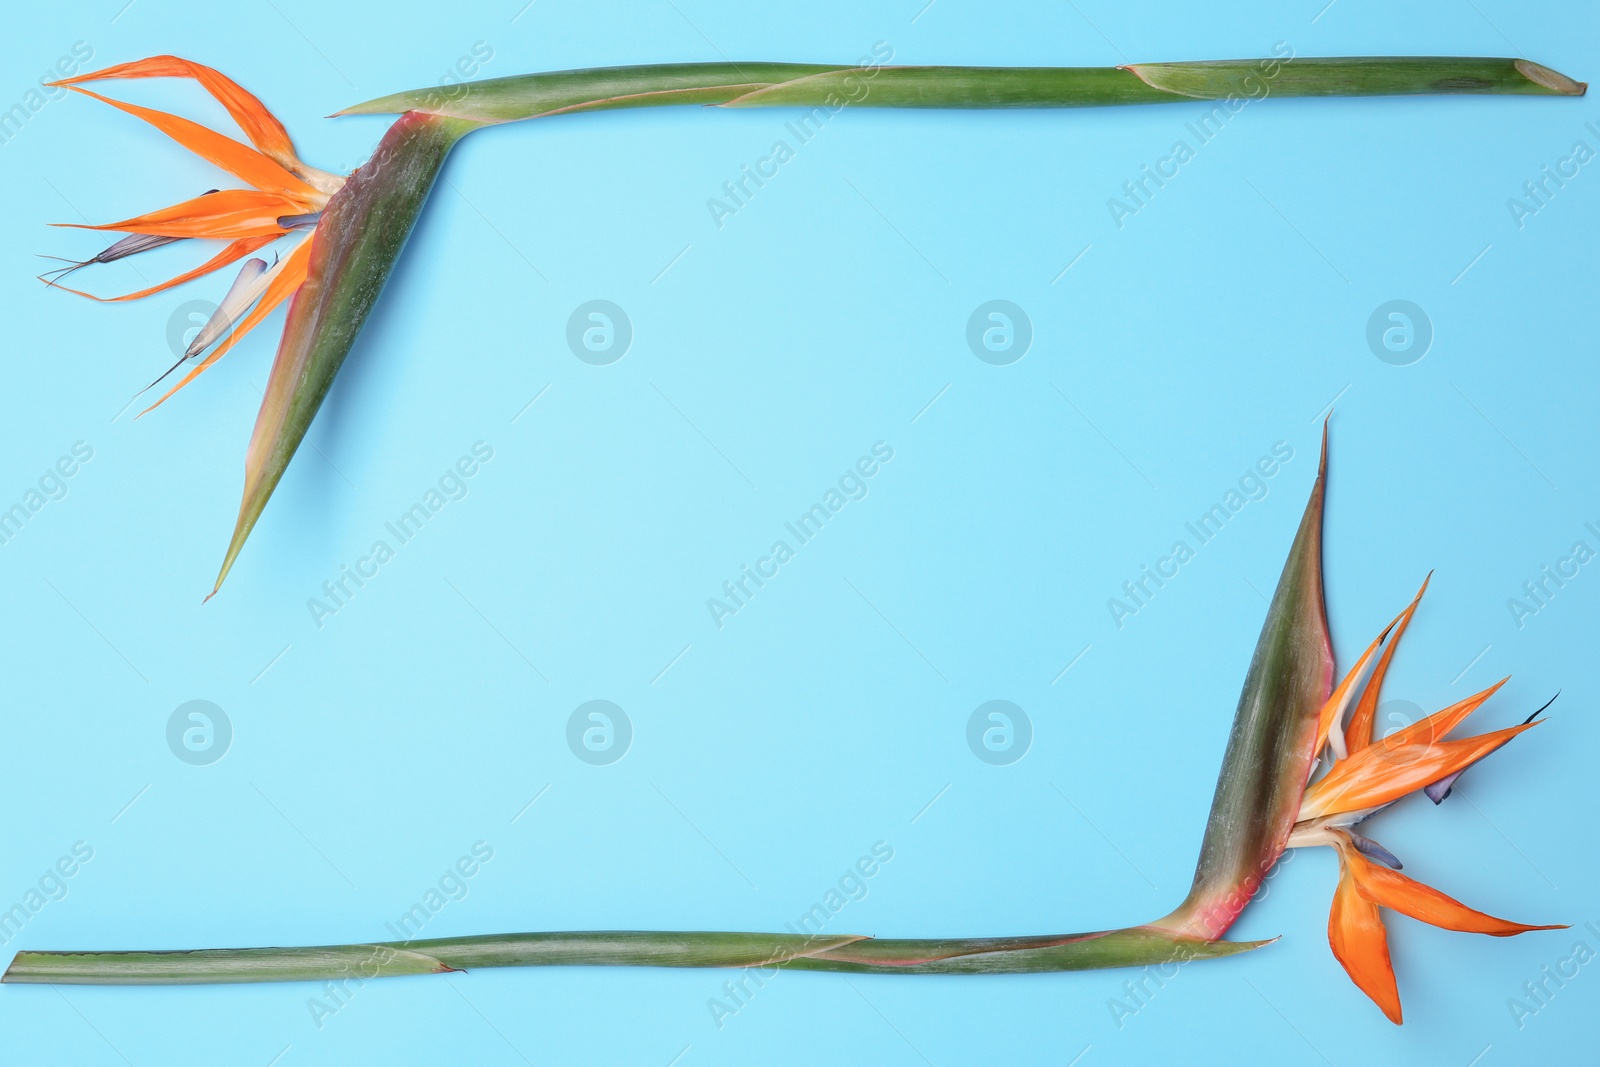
[830, 713]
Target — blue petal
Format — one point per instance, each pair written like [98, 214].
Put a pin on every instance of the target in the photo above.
[1441, 789]
[1372, 850]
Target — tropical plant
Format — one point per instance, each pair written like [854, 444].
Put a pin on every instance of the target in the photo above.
[350, 230]
[1268, 798]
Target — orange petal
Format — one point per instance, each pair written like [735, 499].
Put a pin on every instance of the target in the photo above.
[1361, 945]
[232, 253]
[1358, 735]
[1380, 774]
[1339, 699]
[258, 124]
[291, 274]
[1410, 897]
[228, 214]
[240, 160]
[1436, 726]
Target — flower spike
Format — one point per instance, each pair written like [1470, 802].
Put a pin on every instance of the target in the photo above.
[245, 289]
[1368, 775]
[1372, 850]
[285, 196]
[130, 245]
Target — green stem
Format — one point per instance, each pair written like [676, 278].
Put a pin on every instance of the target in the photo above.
[809, 85]
[1131, 947]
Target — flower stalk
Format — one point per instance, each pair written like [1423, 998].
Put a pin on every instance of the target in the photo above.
[1268, 798]
[1132, 947]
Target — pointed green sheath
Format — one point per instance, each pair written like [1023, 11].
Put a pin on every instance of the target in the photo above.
[355, 246]
[1271, 749]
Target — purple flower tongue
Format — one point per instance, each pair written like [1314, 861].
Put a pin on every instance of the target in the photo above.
[1441, 789]
[1374, 851]
[135, 243]
[131, 245]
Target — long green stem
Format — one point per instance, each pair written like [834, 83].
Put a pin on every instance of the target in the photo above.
[1131, 947]
[809, 85]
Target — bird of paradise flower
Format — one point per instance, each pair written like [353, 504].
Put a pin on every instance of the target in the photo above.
[285, 198]
[1268, 798]
[354, 227]
[1365, 775]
